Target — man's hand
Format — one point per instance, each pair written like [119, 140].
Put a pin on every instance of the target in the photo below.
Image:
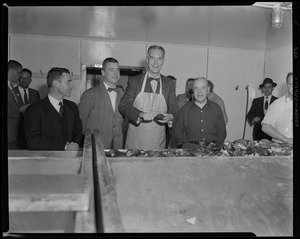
[167, 119]
[71, 146]
[146, 116]
[23, 108]
[256, 119]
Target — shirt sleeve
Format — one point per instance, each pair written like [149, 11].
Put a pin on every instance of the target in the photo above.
[272, 114]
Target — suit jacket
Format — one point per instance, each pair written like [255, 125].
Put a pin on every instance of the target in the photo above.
[134, 88]
[257, 109]
[43, 130]
[33, 96]
[13, 116]
[96, 112]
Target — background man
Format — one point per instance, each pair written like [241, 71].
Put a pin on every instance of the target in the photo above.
[199, 121]
[25, 97]
[217, 99]
[182, 99]
[278, 122]
[53, 123]
[13, 108]
[98, 106]
[259, 108]
[146, 96]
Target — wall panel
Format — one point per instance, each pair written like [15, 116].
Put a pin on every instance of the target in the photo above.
[231, 70]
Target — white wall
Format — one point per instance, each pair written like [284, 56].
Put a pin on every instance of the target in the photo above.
[279, 61]
[231, 71]
[228, 68]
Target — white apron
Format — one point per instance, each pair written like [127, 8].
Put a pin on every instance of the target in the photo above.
[148, 135]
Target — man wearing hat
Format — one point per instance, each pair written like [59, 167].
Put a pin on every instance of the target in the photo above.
[259, 108]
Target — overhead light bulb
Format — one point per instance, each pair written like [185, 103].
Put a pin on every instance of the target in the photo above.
[277, 16]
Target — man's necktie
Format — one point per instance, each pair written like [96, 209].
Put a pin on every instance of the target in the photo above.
[61, 109]
[26, 101]
[266, 103]
[112, 89]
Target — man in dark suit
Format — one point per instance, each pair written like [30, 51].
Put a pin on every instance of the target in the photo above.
[25, 97]
[53, 123]
[13, 108]
[98, 107]
[146, 96]
[259, 108]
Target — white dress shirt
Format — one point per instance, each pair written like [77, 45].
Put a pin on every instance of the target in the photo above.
[112, 95]
[54, 102]
[21, 90]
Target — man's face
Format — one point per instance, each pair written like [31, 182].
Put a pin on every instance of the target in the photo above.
[25, 80]
[15, 75]
[155, 60]
[267, 89]
[111, 73]
[290, 85]
[201, 90]
[64, 85]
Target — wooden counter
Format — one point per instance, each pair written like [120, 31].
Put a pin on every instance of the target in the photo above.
[197, 194]
[51, 191]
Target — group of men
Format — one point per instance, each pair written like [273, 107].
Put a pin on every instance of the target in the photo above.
[141, 117]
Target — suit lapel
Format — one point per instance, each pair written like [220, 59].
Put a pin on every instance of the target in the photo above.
[13, 95]
[52, 115]
[19, 97]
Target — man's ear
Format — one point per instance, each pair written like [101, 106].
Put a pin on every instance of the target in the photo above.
[103, 72]
[56, 82]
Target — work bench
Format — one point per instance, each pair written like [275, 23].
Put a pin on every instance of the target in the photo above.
[95, 193]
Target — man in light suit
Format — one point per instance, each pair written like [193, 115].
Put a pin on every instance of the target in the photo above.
[25, 96]
[259, 108]
[53, 123]
[98, 107]
[146, 96]
[13, 108]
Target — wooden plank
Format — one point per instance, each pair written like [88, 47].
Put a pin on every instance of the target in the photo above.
[27, 165]
[41, 222]
[85, 220]
[48, 192]
[42, 153]
[111, 217]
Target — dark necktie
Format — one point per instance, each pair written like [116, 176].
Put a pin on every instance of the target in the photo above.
[266, 103]
[61, 109]
[26, 101]
[112, 89]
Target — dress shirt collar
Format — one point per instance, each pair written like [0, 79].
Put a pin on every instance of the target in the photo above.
[107, 86]
[194, 103]
[54, 102]
[22, 89]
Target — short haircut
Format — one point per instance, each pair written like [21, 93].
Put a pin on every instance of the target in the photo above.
[201, 78]
[12, 64]
[187, 83]
[172, 77]
[108, 60]
[54, 74]
[27, 70]
[156, 47]
[288, 75]
[211, 85]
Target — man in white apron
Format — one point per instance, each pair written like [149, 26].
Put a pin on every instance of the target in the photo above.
[278, 121]
[146, 96]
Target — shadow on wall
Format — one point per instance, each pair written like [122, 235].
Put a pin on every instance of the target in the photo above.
[43, 89]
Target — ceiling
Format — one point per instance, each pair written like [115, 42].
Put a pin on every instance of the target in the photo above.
[219, 26]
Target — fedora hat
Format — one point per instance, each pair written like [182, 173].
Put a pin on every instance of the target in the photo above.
[266, 81]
